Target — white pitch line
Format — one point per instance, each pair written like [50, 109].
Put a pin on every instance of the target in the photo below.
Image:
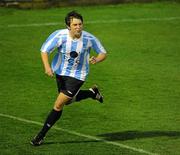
[93, 22]
[81, 135]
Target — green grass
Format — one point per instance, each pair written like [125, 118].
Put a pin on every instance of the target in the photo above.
[140, 81]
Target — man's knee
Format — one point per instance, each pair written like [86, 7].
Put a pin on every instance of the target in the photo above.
[58, 107]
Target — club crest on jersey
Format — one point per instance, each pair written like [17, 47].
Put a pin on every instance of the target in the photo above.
[72, 58]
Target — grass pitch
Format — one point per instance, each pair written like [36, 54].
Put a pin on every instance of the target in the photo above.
[140, 81]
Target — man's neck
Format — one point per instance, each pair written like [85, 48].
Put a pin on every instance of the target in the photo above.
[74, 36]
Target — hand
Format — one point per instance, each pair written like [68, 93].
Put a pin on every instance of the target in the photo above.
[93, 60]
[49, 72]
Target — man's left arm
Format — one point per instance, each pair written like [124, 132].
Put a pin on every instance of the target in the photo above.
[99, 49]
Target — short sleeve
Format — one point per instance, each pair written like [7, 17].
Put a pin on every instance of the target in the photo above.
[51, 43]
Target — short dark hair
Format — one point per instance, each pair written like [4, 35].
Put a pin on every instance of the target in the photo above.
[71, 15]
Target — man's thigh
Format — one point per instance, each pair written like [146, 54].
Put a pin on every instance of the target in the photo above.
[68, 85]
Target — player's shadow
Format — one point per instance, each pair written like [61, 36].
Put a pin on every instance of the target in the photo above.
[130, 135]
[71, 142]
[122, 136]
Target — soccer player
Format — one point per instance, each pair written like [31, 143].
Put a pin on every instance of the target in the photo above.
[70, 66]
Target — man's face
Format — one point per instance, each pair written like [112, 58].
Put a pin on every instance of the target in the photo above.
[76, 27]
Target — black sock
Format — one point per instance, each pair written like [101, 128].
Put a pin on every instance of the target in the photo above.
[50, 121]
[84, 94]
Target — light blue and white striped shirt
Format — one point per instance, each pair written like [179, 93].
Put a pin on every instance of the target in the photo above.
[72, 58]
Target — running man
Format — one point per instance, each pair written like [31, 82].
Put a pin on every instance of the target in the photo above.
[70, 66]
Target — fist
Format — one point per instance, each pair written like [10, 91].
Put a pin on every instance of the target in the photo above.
[93, 60]
[49, 72]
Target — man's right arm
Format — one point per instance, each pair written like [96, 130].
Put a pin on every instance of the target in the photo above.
[45, 60]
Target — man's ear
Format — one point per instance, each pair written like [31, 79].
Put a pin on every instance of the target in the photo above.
[68, 27]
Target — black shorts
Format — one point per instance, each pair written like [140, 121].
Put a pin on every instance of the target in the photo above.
[68, 85]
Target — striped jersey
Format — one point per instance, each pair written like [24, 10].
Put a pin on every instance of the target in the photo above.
[72, 57]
